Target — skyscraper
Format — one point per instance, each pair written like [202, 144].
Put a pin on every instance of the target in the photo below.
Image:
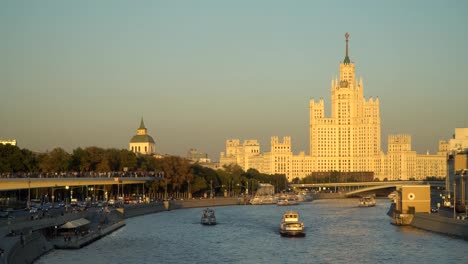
[349, 140]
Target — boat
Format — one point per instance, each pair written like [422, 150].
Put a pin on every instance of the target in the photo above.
[367, 201]
[287, 200]
[256, 201]
[264, 195]
[282, 201]
[208, 217]
[393, 196]
[291, 226]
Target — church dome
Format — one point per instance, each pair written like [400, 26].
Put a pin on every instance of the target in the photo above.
[142, 139]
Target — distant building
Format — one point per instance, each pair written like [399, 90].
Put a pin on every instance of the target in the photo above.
[196, 156]
[8, 141]
[454, 149]
[458, 143]
[142, 143]
[348, 142]
[240, 154]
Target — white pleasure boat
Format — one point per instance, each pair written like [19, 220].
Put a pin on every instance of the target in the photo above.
[290, 224]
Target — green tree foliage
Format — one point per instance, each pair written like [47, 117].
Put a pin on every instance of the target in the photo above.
[176, 171]
[180, 175]
[204, 178]
[14, 159]
[146, 163]
[128, 160]
[58, 160]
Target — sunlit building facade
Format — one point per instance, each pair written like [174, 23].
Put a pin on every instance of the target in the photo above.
[8, 142]
[347, 141]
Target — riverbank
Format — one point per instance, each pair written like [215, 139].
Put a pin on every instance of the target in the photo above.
[441, 224]
[26, 241]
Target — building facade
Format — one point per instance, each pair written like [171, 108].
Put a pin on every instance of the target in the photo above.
[142, 143]
[347, 141]
[458, 143]
[8, 142]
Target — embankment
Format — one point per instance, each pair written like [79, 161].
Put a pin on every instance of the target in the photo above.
[35, 244]
[142, 209]
[440, 224]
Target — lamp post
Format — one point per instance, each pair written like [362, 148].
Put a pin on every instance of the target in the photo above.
[29, 194]
[462, 187]
[454, 199]
[211, 189]
[66, 200]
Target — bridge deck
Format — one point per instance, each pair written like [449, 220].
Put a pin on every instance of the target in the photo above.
[30, 183]
[361, 187]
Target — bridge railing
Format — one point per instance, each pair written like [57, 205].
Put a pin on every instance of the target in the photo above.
[91, 174]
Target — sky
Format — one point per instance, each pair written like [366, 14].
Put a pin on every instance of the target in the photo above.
[83, 73]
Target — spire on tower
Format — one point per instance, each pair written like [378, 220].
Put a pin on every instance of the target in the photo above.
[142, 124]
[347, 60]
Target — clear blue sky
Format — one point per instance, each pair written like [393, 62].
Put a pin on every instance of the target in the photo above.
[83, 73]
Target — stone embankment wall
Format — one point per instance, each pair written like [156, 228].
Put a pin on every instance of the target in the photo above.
[32, 247]
[328, 196]
[440, 224]
[204, 203]
[142, 209]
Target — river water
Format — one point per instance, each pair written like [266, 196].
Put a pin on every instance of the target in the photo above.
[337, 231]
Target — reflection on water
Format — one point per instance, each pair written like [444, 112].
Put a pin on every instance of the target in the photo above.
[338, 231]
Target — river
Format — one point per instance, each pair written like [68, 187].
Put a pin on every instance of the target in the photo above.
[337, 231]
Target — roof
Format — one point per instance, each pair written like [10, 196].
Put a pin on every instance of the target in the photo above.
[141, 139]
[75, 223]
[142, 124]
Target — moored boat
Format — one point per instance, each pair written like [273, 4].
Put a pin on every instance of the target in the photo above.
[290, 224]
[208, 217]
[282, 201]
[287, 201]
[367, 201]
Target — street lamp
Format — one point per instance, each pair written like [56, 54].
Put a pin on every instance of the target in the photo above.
[454, 199]
[462, 187]
[29, 194]
[211, 189]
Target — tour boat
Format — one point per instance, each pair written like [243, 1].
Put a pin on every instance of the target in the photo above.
[367, 201]
[290, 224]
[208, 217]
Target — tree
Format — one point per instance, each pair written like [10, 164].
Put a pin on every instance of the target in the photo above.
[176, 171]
[58, 160]
[128, 160]
[146, 163]
[13, 159]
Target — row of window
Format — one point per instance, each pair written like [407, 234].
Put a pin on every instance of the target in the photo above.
[138, 149]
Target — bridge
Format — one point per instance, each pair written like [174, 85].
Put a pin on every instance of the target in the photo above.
[356, 188]
[10, 184]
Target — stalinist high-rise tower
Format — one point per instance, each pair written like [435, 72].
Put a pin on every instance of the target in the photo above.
[349, 140]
